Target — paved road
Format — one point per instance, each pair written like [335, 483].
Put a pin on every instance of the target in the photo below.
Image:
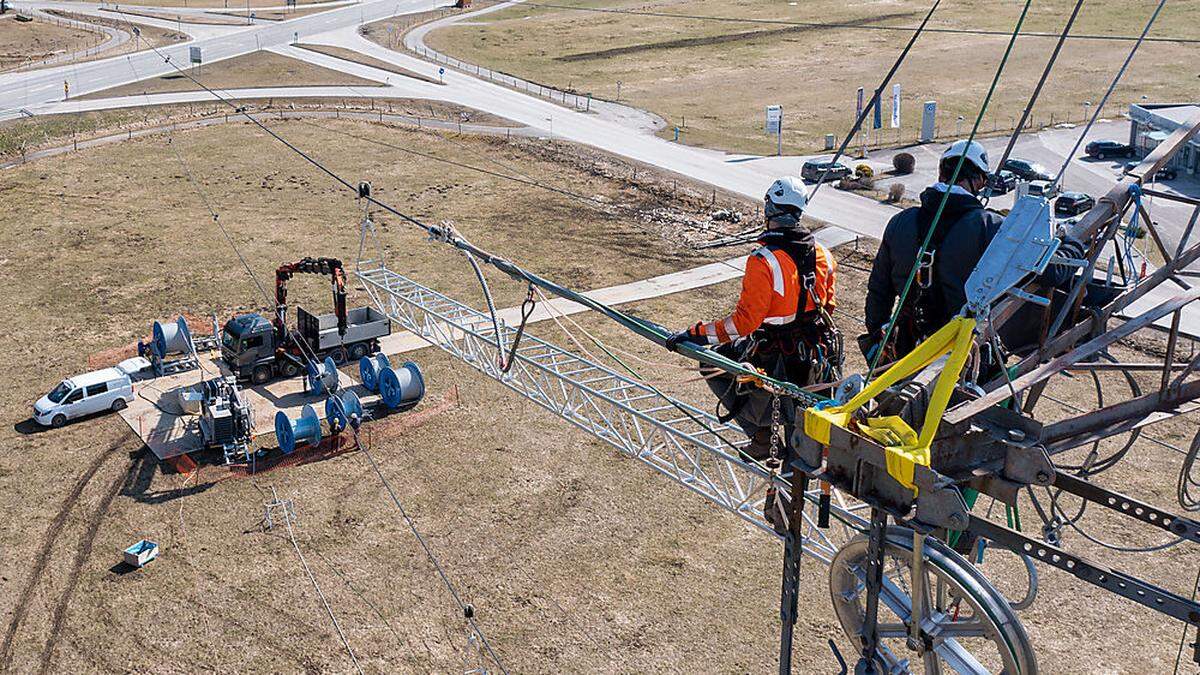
[26, 90]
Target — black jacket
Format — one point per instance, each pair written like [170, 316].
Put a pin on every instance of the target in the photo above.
[965, 230]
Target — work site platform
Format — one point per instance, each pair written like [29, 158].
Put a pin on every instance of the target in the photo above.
[156, 416]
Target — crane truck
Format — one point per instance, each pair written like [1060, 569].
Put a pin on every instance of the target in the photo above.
[259, 350]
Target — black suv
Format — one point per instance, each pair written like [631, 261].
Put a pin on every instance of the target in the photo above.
[1026, 170]
[813, 169]
[1002, 182]
[1102, 149]
[1165, 173]
[1072, 204]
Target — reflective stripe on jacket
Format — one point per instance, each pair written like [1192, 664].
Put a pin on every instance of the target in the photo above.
[771, 290]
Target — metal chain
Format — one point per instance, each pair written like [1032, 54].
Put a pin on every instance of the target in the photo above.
[775, 426]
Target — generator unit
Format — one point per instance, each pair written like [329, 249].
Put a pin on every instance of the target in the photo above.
[226, 419]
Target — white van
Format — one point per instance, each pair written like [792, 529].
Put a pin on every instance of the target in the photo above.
[97, 391]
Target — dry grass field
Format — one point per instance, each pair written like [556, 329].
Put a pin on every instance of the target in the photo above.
[575, 558]
[714, 77]
[29, 41]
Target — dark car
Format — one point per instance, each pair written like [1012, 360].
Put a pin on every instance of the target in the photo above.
[1165, 173]
[1102, 149]
[1072, 204]
[813, 169]
[1002, 182]
[1026, 170]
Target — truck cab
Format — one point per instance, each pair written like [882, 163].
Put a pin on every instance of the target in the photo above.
[248, 347]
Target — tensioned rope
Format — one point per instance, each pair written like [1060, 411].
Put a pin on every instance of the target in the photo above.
[1037, 90]
[387, 485]
[1112, 85]
[937, 216]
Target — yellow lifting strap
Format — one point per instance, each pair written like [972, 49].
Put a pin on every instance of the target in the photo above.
[905, 448]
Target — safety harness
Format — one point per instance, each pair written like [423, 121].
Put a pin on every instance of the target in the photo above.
[804, 351]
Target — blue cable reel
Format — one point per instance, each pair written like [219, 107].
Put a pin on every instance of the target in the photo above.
[401, 389]
[343, 410]
[369, 368]
[292, 434]
[170, 338]
[322, 377]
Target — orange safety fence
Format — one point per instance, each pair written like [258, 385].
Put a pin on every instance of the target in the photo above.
[340, 444]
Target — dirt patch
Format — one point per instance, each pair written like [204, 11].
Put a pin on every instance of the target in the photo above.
[147, 35]
[355, 57]
[724, 39]
[25, 42]
[257, 69]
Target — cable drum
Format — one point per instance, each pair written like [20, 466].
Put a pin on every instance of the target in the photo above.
[369, 368]
[171, 338]
[292, 434]
[322, 377]
[342, 411]
[402, 389]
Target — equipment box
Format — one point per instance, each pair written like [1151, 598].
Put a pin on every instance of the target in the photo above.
[141, 553]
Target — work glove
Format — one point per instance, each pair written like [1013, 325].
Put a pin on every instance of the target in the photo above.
[868, 343]
[688, 335]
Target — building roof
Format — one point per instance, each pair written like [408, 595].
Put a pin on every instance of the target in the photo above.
[1178, 113]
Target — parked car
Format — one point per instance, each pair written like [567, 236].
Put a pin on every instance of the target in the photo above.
[1026, 170]
[97, 391]
[1072, 204]
[813, 169]
[1105, 148]
[1165, 173]
[1043, 188]
[1002, 182]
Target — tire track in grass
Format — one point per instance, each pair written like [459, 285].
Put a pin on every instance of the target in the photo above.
[43, 555]
[83, 552]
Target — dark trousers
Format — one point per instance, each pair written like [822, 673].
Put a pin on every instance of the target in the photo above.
[751, 407]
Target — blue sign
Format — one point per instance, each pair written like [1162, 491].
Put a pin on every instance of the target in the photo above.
[441, 71]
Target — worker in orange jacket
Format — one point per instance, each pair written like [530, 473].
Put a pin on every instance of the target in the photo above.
[781, 324]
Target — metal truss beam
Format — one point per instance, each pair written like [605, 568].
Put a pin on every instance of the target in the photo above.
[619, 410]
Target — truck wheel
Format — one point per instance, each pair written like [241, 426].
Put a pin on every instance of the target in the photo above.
[119, 405]
[289, 369]
[261, 374]
[1099, 155]
[58, 421]
[357, 351]
[339, 356]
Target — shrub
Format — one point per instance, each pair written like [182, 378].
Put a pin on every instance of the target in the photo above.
[895, 192]
[904, 163]
[864, 171]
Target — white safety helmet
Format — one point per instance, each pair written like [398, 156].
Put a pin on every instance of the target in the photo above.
[974, 152]
[785, 201]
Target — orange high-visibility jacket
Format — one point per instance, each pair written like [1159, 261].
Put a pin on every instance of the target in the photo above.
[771, 292]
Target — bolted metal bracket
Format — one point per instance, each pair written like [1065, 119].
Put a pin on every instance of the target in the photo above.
[1027, 463]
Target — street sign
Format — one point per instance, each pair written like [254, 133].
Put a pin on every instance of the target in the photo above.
[877, 121]
[774, 119]
[895, 106]
[775, 126]
[194, 54]
[928, 121]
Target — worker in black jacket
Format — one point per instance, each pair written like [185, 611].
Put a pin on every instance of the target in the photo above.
[937, 294]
